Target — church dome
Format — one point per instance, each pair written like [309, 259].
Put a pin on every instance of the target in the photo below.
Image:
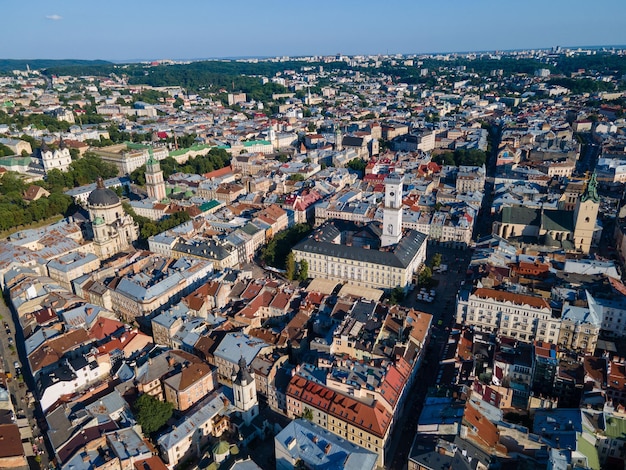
[102, 196]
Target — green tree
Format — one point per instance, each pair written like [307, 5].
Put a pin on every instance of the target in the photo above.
[303, 274]
[357, 164]
[152, 414]
[436, 260]
[290, 266]
[307, 414]
[297, 177]
[425, 277]
[275, 252]
[396, 296]
[12, 183]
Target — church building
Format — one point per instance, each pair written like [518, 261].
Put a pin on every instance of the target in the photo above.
[113, 230]
[52, 159]
[571, 231]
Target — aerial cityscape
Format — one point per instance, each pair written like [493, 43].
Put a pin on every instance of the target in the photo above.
[243, 249]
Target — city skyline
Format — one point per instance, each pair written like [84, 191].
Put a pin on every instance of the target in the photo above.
[138, 31]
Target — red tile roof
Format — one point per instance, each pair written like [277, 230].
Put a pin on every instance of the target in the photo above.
[518, 299]
[481, 431]
[374, 418]
[104, 327]
[11, 441]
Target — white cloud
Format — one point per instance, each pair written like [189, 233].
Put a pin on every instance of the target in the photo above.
[54, 17]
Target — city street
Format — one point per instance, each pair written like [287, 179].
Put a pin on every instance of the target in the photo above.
[442, 309]
[18, 388]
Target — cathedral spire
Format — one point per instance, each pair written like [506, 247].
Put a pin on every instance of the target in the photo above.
[591, 191]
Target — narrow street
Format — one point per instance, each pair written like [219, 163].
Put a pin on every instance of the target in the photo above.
[12, 350]
[443, 311]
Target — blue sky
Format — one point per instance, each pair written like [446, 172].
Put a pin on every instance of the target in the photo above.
[189, 29]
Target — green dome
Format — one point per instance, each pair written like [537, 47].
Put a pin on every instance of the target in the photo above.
[222, 447]
[98, 221]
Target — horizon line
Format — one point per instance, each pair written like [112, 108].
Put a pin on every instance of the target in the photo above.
[300, 56]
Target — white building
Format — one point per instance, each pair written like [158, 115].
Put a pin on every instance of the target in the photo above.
[519, 316]
[58, 159]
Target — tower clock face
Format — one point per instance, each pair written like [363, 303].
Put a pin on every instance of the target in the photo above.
[392, 194]
[390, 229]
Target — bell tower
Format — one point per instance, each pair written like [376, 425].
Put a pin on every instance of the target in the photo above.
[155, 186]
[392, 210]
[244, 392]
[338, 139]
[586, 215]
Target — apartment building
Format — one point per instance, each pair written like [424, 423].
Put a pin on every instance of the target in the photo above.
[518, 316]
[365, 423]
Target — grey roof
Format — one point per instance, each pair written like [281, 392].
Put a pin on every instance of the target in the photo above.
[103, 197]
[70, 261]
[126, 444]
[108, 405]
[208, 249]
[243, 375]
[156, 367]
[322, 241]
[60, 428]
[38, 338]
[319, 448]
[582, 315]
[211, 408]
[236, 345]
[425, 452]
[88, 188]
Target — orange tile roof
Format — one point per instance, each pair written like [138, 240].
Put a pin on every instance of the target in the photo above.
[518, 299]
[483, 431]
[192, 374]
[618, 285]
[617, 376]
[152, 463]
[281, 301]
[219, 173]
[104, 327]
[374, 418]
[251, 291]
[11, 442]
[420, 325]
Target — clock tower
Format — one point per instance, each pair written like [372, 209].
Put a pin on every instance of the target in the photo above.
[392, 210]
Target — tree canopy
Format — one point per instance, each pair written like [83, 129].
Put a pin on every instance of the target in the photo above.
[16, 211]
[276, 251]
[152, 414]
[460, 157]
[149, 227]
[357, 164]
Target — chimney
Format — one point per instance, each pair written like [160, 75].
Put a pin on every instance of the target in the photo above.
[327, 448]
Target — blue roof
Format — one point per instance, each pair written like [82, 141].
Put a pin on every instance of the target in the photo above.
[235, 345]
[214, 406]
[38, 338]
[71, 260]
[321, 449]
[111, 182]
